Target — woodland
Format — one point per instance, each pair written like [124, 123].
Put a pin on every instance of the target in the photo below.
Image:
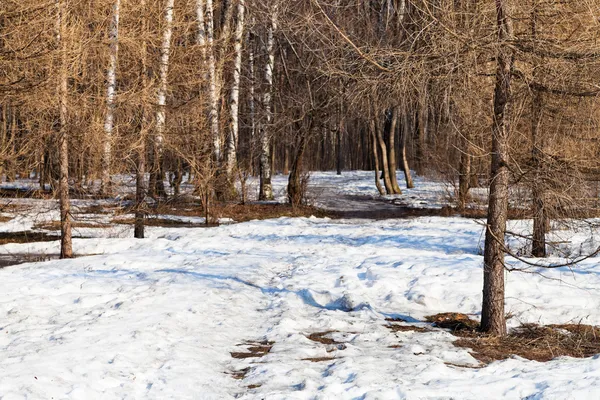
[501, 95]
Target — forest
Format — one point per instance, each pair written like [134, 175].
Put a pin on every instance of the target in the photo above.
[209, 105]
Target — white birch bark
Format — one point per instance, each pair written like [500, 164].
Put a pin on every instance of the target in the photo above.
[201, 35]
[266, 188]
[252, 104]
[111, 83]
[213, 115]
[232, 140]
[165, 53]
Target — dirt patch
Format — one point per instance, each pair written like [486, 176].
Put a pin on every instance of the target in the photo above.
[253, 350]
[406, 328]
[533, 342]
[26, 237]
[321, 337]
[453, 321]
[163, 222]
[55, 225]
[240, 374]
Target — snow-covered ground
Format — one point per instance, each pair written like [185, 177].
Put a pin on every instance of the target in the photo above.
[159, 318]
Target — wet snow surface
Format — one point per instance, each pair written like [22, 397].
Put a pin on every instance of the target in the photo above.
[158, 318]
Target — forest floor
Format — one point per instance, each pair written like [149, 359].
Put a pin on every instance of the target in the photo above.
[294, 307]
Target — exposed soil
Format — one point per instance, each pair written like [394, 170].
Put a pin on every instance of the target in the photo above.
[253, 350]
[453, 321]
[26, 237]
[321, 337]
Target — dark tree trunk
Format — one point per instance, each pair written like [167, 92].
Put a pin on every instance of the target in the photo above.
[372, 129]
[406, 129]
[66, 243]
[338, 147]
[295, 189]
[540, 220]
[393, 124]
[493, 320]
[385, 168]
[464, 173]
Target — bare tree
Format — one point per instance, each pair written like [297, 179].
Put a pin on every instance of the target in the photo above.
[493, 320]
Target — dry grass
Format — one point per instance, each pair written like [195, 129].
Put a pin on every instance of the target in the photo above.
[534, 342]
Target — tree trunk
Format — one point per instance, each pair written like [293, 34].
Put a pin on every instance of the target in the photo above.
[161, 98]
[540, 218]
[405, 132]
[493, 320]
[464, 173]
[338, 147]
[140, 187]
[66, 243]
[251, 101]
[266, 188]
[372, 129]
[111, 87]
[233, 137]
[393, 124]
[384, 161]
[213, 115]
[295, 190]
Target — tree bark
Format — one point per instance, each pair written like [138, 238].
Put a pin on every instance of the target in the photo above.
[161, 99]
[392, 150]
[266, 188]
[493, 320]
[66, 242]
[111, 87]
[384, 161]
[372, 129]
[405, 167]
[295, 190]
[213, 115]
[540, 218]
[464, 173]
[233, 137]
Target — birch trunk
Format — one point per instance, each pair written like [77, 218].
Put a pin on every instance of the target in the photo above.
[251, 100]
[493, 320]
[213, 115]
[234, 105]
[66, 244]
[266, 188]
[161, 97]
[111, 87]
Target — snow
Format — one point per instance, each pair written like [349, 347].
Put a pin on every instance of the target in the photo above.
[158, 318]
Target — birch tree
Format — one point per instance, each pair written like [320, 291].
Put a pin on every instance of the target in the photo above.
[111, 83]
[266, 187]
[161, 100]
[233, 137]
